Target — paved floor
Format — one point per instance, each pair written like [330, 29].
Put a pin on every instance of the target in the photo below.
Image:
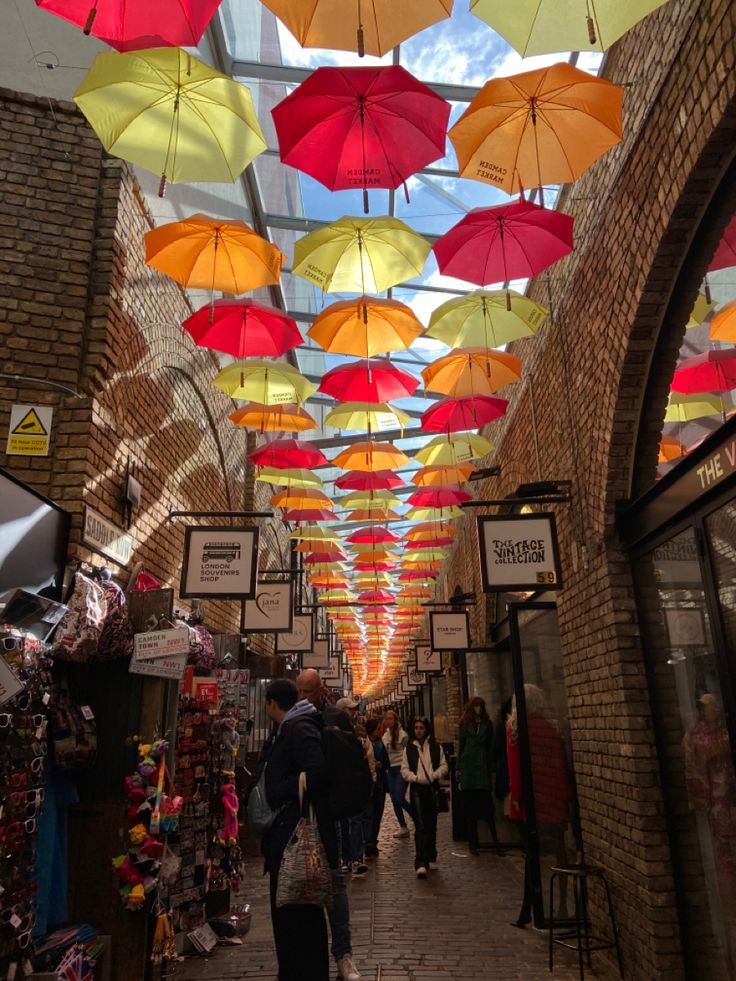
[455, 926]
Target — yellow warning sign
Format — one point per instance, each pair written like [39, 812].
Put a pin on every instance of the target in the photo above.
[30, 429]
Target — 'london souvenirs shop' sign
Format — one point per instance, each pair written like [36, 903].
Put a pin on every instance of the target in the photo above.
[220, 562]
[519, 553]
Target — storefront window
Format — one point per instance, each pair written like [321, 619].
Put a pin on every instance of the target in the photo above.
[439, 705]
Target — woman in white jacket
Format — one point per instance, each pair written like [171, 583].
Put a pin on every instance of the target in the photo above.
[396, 740]
[422, 765]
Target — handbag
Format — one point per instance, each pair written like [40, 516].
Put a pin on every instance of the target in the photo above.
[260, 814]
[304, 874]
[439, 794]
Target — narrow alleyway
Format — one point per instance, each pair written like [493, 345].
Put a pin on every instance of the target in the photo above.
[456, 926]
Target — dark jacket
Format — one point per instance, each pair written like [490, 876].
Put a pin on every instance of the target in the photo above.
[297, 747]
[475, 760]
[379, 751]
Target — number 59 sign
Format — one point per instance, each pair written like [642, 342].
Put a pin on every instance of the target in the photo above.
[427, 659]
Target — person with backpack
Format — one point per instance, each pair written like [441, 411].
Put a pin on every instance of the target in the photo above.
[373, 814]
[422, 766]
[350, 829]
[349, 786]
[395, 739]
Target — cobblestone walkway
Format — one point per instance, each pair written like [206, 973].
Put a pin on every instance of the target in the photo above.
[455, 926]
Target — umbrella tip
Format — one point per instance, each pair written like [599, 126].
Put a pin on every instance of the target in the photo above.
[90, 20]
[361, 43]
[162, 186]
[591, 30]
[366, 209]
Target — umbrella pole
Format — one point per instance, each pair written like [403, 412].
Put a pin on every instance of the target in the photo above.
[90, 19]
[214, 271]
[361, 38]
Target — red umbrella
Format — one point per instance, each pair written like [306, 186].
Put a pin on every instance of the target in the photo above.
[725, 254]
[374, 566]
[130, 25]
[285, 453]
[299, 515]
[438, 497]
[328, 555]
[372, 534]
[510, 241]
[368, 381]
[455, 415]
[376, 596]
[359, 480]
[429, 543]
[411, 574]
[714, 371]
[361, 127]
[243, 328]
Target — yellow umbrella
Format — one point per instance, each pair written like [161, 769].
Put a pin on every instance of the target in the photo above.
[537, 27]
[486, 318]
[368, 499]
[443, 476]
[268, 382]
[374, 418]
[289, 418]
[368, 457]
[723, 324]
[314, 533]
[471, 371]
[367, 26]
[430, 530]
[172, 115]
[701, 308]
[296, 477]
[685, 408]
[365, 327]
[433, 514]
[360, 255]
[453, 448]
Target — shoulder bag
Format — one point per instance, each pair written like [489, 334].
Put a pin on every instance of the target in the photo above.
[439, 794]
[304, 874]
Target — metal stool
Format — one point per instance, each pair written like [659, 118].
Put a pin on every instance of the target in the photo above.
[585, 941]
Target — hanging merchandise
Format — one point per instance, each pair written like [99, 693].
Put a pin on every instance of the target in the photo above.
[77, 636]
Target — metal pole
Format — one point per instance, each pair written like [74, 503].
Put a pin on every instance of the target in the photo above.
[220, 514]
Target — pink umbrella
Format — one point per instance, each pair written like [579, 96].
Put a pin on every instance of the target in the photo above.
[360, 480]
[714, 371]
[510, 241]
[725, 254]
[285, 453]
[457, 414]
[243, 328]
[438, 497]
[328, 555]
[298, 515]
[376, 596]
[372, 534]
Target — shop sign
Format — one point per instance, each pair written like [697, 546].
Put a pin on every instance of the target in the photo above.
[416, 677]
[519, 553]
[29, 433]
[105, 537]
[318, 657]
[161, 643]
[427, 659]
[170, 666]
[404, 687]
[9, 684]
[300, 638]
[272, 610]
[449, 631]
[333, 671]
[676, 562]
[220, 562]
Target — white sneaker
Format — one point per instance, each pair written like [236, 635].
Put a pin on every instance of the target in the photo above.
[421, 872]
[402, 833]
[346, 969]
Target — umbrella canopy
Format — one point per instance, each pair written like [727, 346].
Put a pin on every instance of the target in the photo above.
[436, 542]
[725, 255]
[283, 453]
[416, 575]
[305, 498]
[534, 27]
[367, 26]
[288, 418]
[454, 414]
[438, 497]
[365, 327]
[364, 481]
[373, 533]
[267, 382]
[329, 555]
[685, 408]
[509, 241]
[483, 319]
[443, 476]
[723, 324]
[368, 381]
[376, 596]
[358, 416]
[373, 514]
[714, 371]
[309, 533]
[670, 449]
[213, 254]
[292, 478]
[369, 499]
[243, 328]
[300, 515]
[171, 114]
[378, 565]
[360, 255]
[370, 457]
[471, 371]
[428, 529]
[361, 127]
[541, 127]
[453, 449]
[129, 25]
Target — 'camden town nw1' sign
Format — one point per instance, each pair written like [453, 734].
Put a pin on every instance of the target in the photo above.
[519, 553]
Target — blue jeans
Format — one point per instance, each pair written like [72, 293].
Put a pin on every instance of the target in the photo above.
[397, 790]
[350, 839]
[339, 916]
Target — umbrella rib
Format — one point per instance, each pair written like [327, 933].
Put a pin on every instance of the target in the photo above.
[195, 108]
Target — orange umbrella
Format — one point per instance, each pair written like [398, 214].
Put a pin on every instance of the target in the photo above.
[365, 327]
[723, 324]
[540, 127]
[471, 371]
[213, 254]
[370, 456]
[303, 498]
[670, 449]
[287, 418]
[442, 476]
[373, 514]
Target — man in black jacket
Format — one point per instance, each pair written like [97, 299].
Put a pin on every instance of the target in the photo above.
[300, 932]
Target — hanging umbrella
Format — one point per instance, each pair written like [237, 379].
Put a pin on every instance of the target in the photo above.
[283, 453]
[129, 25]
[172, 115]
[428, 529]
[471, 371]
[482, 319]
[471, 412]
[453, 449]
[302, 498]
[535, 28]
[377, 565]
[243, 328]
[369, 499]
[541, 127]
[365, 327]
[714, 371]
[360, 255]
[723, 324]
[725, 255]
[268, 382]
[443, 476]
[295, 477]
[376, 596]
[288, 418]
[361, 127]
[301, 515]
[307, 533]
[372, 514]
[213, 254]
[670, 449]
[372, 534]
[685, 408]
[360, 480]
[368, 381]
[436, 542]
[509, 241]
[416, 575]
[370, 457]
[330, 555]
[358, 416]
[418, 555]
[438, 497]
[372, 27]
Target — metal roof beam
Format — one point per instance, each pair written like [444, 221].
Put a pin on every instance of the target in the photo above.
[383, 437]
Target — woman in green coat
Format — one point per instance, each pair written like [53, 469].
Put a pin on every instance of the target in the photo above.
[474, 773]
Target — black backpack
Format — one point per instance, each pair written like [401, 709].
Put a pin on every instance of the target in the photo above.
[351, 784]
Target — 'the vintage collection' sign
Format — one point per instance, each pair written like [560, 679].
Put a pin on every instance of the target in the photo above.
[272, 609]
[519, 553]
[449, 631]
[220, 562]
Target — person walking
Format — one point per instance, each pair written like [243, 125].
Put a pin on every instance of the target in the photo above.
[350, 830]
[374, 812]
[474, 770]
[299, 931]
[423, 764]
[395, 739]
